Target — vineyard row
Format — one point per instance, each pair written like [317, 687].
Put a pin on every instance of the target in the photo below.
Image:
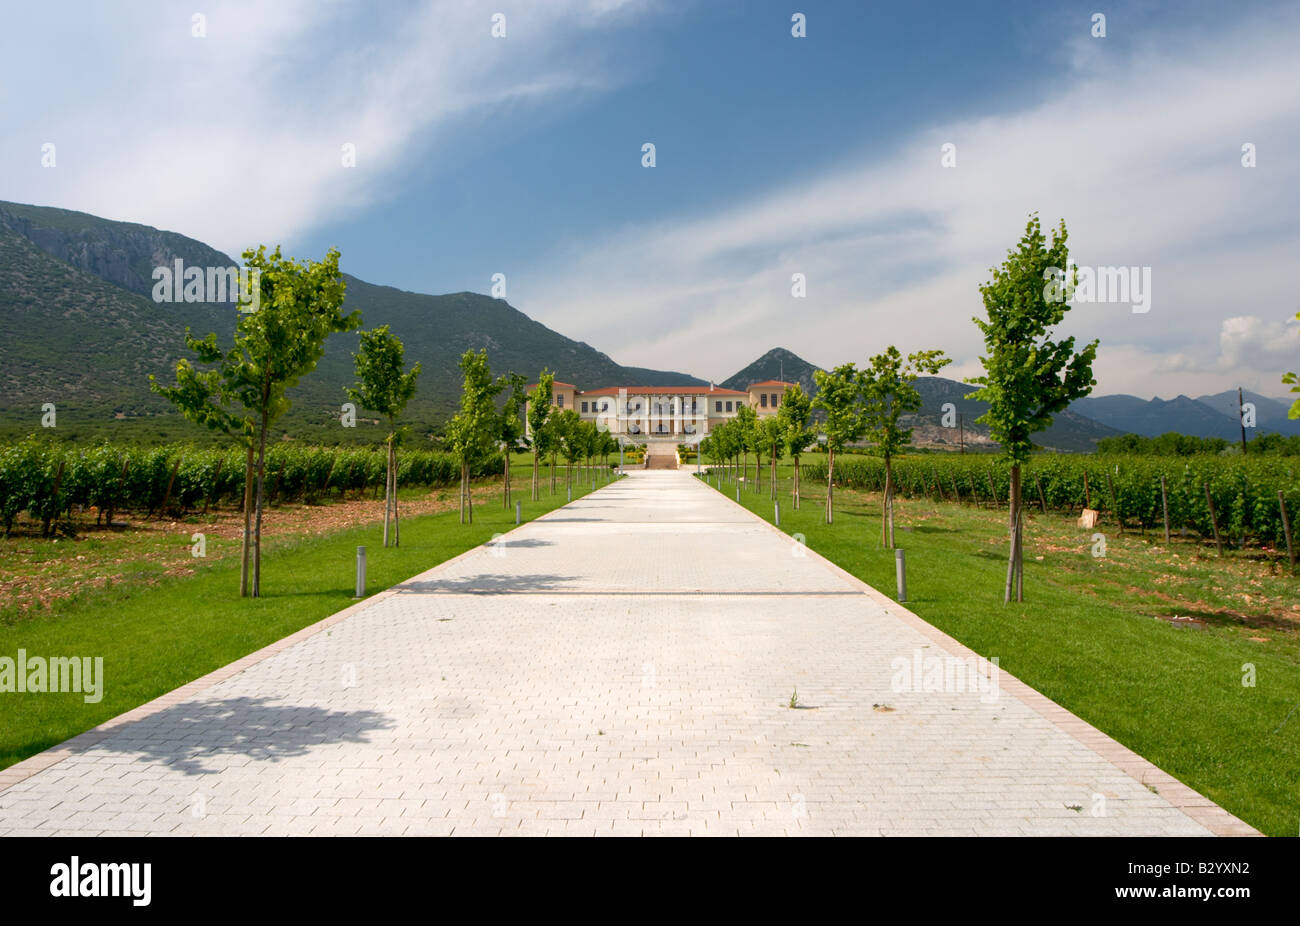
[49, 481]
[1239, 496]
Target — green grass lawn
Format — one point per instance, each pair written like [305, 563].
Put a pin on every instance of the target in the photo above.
[155, 637]
[1090, 634]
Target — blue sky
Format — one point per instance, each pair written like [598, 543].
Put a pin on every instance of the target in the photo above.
[775, 155]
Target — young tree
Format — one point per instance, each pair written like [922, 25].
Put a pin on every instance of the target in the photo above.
[568, 433]
[1028, 377]
[511, 426]
[383, 387]
[611, 448]
[731, 445]
[745, 432]
[793, 415]
[721, 438]
[590, 442]
[888, 392]
[839, 395]
[771, 436]
[473, 432]
[279, 338]
[206, 397]
[539, 425]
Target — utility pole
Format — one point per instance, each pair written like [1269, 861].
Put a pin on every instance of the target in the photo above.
[1241, 420]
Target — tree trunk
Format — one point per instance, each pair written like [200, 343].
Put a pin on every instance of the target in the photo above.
[388, 487]
[758, 471]
[537, 465]
[830, 483]
[887, 509]
[397, 530]
[796, 483]
[261, 496]
[1015, 565]
[506, 499]
[246, 547]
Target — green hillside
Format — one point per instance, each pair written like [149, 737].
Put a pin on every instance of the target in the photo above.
[79, 328]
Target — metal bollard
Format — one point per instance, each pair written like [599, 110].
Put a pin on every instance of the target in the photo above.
[518, 506]
[737, 493]
[900, 567]
[570, 493]
[778, 514]
[361, 573]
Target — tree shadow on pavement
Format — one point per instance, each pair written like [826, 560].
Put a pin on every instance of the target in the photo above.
[489, 584]
[182, 736]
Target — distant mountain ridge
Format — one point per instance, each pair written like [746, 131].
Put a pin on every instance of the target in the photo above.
[1208, 416]
[79, 327]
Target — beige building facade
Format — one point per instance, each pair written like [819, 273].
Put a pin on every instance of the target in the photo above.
[683, 413]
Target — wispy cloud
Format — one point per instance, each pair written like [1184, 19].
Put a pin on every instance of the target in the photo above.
[237, 137]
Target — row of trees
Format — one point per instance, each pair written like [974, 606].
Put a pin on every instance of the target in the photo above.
[482, 427]
[280, 337]
[787, 432]
[1029, 376]
[858, 404]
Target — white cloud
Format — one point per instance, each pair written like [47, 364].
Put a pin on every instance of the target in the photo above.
[236, 137]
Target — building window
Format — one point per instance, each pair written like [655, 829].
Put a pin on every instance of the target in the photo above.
[584, 406]
[774, 400]
[717, 406]
[559, 400]
[762, 400]
[604, 406]
[728, 406]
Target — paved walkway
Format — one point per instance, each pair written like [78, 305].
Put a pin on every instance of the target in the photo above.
[623, 665]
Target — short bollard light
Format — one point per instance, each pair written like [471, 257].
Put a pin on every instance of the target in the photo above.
[900, 567]
[361, 573]
[518, 507]
[777, 516]
[570, 493]
[737, 493]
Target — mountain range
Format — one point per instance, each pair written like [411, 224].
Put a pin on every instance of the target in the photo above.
[79, 328]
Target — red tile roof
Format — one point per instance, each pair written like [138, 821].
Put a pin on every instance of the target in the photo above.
[772, 382]
[664, 390]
